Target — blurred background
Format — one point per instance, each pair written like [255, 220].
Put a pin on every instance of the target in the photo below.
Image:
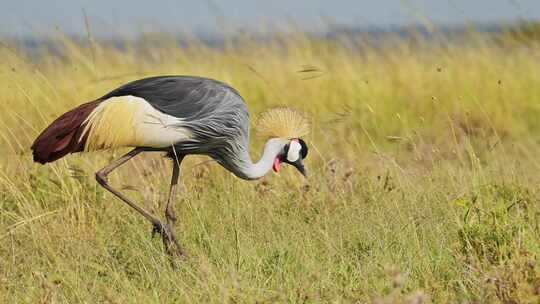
[212, 18]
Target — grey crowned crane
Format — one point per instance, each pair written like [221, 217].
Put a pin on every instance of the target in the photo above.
[178, 115]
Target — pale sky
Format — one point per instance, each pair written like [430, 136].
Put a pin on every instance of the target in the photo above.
[20, 18]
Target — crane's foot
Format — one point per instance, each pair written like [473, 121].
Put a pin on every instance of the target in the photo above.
[171, 243]
[157, 229]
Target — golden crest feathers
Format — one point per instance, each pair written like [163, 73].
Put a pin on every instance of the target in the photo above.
[282, 122]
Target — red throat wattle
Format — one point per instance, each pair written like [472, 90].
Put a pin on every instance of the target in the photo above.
[277, 164]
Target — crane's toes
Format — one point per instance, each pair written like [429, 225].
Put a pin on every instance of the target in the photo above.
[177, 252]
[173, 247]
[158, 228]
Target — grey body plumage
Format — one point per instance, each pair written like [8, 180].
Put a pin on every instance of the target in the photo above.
[213, 111]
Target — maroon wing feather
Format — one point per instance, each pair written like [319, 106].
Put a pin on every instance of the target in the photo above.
[62, 136]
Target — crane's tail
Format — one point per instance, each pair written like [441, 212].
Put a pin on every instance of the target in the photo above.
[63, 135]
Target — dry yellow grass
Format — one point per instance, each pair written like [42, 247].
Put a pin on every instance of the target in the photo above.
[423, 177]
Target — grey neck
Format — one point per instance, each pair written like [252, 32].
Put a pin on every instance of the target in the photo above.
[251, 171]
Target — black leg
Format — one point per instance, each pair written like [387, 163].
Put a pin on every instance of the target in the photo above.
[168, 233]
[101, 177]
[166, 230]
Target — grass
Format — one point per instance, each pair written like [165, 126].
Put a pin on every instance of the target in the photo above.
[423, 177]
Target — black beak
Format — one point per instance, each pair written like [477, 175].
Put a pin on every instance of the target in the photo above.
[299, 164]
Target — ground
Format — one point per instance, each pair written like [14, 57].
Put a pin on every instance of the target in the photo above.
[423, 176]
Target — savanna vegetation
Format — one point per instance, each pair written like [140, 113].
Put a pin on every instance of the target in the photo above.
[423, 188]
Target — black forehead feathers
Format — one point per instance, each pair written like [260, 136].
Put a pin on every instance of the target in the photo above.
[304, 149]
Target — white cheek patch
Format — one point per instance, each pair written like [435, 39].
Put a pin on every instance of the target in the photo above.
[294, 151]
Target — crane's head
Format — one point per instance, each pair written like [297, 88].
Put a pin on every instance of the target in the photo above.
[293, 153]
[288, 126]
